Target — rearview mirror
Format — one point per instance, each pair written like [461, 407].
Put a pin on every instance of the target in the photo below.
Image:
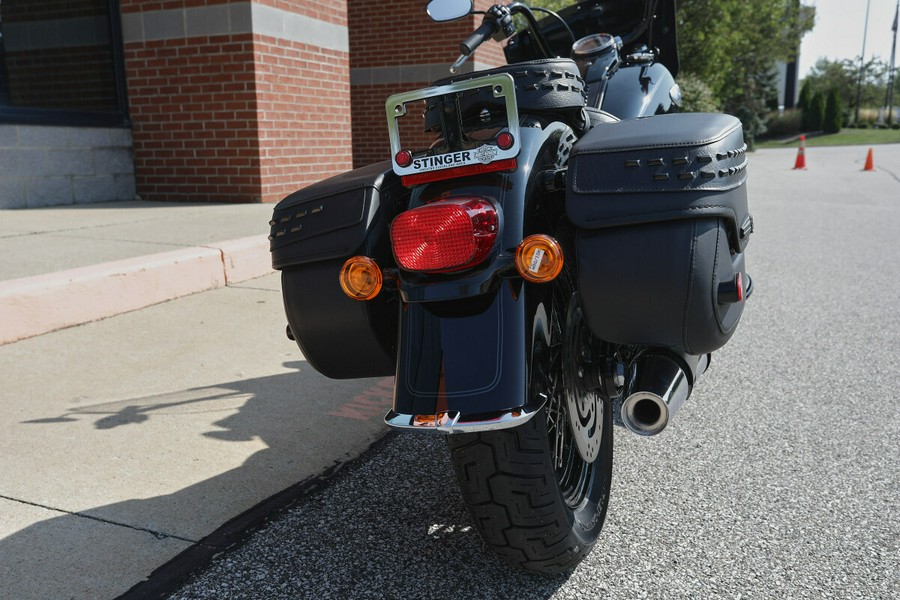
[448, 10]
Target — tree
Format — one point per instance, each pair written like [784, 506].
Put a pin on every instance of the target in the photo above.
[805, 96]
[833, 119]
[696, 95]
[554, 5]
[813, 118]
[733, 45]
[843, 76]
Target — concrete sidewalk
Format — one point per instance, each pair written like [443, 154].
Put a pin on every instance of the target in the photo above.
[70, 265]
[130, 443]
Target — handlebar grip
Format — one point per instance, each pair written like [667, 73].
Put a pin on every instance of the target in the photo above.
[478, 37]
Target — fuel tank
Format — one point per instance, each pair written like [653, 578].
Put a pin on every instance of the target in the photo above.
[638, 91]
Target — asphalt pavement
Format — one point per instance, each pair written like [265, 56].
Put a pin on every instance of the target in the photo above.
[778, 479]
[188, 435]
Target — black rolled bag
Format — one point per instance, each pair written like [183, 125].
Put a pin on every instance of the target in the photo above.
[660, 204]
[313, 231]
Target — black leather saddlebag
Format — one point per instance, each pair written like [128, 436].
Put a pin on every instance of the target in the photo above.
[661, 209]
[314, 231]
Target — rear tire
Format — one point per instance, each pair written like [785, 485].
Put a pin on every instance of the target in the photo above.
[532, 497]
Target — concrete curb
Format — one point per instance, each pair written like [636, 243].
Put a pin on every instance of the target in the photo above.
[32, 306]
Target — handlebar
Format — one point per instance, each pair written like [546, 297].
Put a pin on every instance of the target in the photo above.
[499, 18]
[484, 32]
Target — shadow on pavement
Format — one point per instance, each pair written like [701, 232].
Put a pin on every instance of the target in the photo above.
[102, 552]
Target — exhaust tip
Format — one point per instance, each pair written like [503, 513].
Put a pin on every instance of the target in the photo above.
[645, 413]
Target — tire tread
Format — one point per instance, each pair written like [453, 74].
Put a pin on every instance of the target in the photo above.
[522, 519]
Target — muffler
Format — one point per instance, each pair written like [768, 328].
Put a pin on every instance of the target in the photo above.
[658, 384]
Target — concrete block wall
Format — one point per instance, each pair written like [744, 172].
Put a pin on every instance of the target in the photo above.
[49, 165]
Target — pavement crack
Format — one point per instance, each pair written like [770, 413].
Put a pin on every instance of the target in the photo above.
[157, 534]
[891, 173]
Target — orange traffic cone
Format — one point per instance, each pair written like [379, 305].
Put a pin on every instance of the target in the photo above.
[870, 162]
[800, 163]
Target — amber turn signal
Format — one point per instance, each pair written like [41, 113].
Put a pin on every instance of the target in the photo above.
[539, 258]
[361, 278]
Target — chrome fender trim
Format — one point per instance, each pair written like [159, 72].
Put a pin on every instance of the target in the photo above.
[454, 422]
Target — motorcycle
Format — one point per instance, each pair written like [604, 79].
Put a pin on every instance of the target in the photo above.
[551, 249]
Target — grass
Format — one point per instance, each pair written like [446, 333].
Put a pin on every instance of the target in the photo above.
[846, 137]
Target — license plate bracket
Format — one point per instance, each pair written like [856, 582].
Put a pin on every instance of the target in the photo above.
[463, 129]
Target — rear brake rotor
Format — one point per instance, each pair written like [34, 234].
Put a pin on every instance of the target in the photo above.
[584, 403]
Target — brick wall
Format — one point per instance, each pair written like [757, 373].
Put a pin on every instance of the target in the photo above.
[193, 108]
[304, 115]
[247, 116]
[235, 100]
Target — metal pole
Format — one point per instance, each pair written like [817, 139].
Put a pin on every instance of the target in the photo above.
[890, 89]
[862, 59]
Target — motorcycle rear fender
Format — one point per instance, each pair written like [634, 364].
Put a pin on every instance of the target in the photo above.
[464, 365]
[468, 346]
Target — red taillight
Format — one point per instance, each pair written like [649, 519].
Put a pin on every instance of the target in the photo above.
[447, 235]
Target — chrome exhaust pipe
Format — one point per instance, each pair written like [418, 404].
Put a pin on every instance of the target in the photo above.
[659, 383]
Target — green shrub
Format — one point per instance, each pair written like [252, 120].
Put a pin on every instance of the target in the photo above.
[696, 95]
[833, 118]
[863, 125]
[805, 96]
[895, 126]
[812, 118]
[788, 124]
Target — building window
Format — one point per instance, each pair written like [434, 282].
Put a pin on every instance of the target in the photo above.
[61, 62]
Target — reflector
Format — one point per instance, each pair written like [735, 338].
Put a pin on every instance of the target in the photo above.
[505, 140]
[404, 158]
[447, 235]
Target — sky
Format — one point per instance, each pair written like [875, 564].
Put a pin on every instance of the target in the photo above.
[838, 32]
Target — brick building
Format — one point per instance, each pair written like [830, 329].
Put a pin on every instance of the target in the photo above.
[205, 100]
